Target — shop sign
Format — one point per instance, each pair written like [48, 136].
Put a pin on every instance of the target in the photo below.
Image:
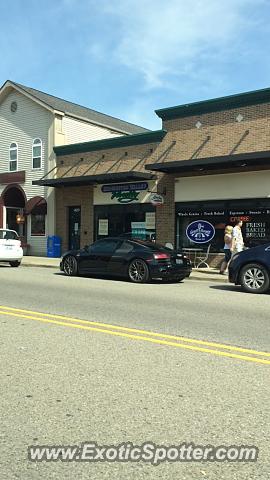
[210, 213]
[200, 231]
[125, 197]
[243, 218]
[255, 230]
[138, 230]
[156, 199]
[125, 193]
[150, 220]
[103, 226]
[124, 187]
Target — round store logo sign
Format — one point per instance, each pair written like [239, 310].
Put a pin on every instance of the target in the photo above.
[200, 231]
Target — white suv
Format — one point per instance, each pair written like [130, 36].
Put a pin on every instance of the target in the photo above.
[10, 247]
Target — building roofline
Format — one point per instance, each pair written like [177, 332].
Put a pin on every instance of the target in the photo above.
[215, 104]
[68, 113]
[9, 83]
[107, 143]
[86, 114]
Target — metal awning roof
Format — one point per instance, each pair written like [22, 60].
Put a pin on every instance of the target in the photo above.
[212, 163]
[95, 179]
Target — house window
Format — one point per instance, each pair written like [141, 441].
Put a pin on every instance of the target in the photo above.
[59, 123]
[38, 224]
[36, 156]
[13, 157]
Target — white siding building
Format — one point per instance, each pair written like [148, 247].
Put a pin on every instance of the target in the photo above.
[31, 124]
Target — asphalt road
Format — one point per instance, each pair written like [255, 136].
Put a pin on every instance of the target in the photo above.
[65, 382]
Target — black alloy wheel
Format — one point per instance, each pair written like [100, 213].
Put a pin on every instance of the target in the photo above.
[138, 271]
[254, 278]
[70, 266]
[15, 263]
[180, 279]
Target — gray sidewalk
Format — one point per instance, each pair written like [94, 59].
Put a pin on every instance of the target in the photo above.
[208, 274]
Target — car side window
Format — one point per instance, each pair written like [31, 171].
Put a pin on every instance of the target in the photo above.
[124, 247]
[8, 235]
[104, 246]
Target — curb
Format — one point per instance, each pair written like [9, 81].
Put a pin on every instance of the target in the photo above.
[39, 265]
[205, 279]
[192, 277]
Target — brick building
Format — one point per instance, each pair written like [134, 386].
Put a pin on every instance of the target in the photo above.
[210, 162]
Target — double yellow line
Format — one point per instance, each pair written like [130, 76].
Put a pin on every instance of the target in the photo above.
[212, 348]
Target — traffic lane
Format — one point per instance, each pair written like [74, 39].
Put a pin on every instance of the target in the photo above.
[196, 309]
[64, 386]
[213, 348]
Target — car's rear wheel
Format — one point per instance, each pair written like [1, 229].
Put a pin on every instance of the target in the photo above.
[70, 266]
[138, 271]
[15, 263]
[180, 279]
[254, 278]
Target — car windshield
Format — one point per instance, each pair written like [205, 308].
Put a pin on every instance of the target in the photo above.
[8, 235]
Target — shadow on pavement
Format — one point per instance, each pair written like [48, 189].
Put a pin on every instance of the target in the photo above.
[121, 279]
[231, 288]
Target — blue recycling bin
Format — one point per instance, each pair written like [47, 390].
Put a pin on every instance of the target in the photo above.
[54, 246]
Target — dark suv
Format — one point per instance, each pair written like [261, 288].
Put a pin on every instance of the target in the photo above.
[251, 269]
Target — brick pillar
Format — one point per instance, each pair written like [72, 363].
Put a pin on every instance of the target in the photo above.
[165, 214]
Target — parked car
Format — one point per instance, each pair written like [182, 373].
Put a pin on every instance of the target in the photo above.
[10, 247]
[138, 260]
[251, 269]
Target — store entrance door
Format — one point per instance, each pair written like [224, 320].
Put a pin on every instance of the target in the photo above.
[74, 228]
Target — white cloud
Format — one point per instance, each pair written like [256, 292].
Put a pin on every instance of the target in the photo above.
[162, 40]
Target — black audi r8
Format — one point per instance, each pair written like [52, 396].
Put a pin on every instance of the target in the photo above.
[138, 260]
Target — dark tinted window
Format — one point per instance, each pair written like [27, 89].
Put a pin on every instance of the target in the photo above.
[152, 245]
[125, 247]
[8, 235]
[104, 246]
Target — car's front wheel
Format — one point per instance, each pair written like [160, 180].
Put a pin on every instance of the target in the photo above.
[15, 263]
[138, 271]
[254, 278]
[70, 266]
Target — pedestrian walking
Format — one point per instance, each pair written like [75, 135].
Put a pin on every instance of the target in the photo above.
[228, 241]
[238, 242]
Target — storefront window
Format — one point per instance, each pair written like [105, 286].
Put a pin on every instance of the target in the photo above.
[131, 220]
[37, 224]
[254, 214]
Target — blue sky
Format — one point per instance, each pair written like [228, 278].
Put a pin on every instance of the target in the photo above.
[127, 58]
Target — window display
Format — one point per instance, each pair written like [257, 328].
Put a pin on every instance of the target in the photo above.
[255, 215]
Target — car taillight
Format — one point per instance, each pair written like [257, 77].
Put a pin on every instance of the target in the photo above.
[161, 256]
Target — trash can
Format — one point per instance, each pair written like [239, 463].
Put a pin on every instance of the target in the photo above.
[54, 246]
